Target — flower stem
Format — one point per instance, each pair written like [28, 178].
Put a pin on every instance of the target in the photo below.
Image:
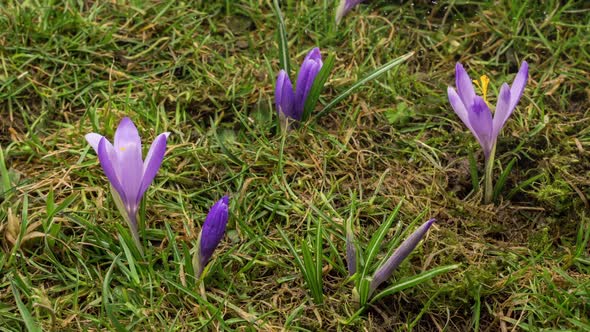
[135, 233]
[488, 182]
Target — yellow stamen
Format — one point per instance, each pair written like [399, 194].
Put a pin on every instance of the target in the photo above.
[122, 148]
[483, 86]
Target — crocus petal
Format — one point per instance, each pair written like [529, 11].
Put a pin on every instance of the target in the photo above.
[344, 7]
[503, 110]
[465, 88]
[350, 250]
[93, 139]
[128, 149]
[459, 107]
[384, 271]
[212, 231]
[480, 118]
[314, 55]
[110, 166]
[307, 73]
[284, 96]
[152, 163]
[518, 85]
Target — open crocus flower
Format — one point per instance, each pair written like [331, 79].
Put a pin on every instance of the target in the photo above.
[474, 111]
[344, 7]
[290, 104]
[211, 234]
[129, 175]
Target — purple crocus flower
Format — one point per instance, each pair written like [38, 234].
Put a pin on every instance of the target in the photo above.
[344, 7]
[290, 104]
[350, 251]
[474, 111]
[384, 271]
[211, 233]
[129, 175]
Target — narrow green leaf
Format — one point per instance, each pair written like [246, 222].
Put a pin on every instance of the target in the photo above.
[473, 171]
[583, 238]
[375, 74]
[363, 282]
[364, 289]
[283, 41]
[130, 259]
[298, 260]
[414, 281]
[503, 178]
[310, 276]
[377, 239]
[105, 297]
[524, 184]
[24, 311]
[188, 264]
[224, 149]
[319, 257]
[317, 87]
[5, 183]
[477, 309]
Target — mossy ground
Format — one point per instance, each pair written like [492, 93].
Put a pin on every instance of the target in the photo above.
[205, 72]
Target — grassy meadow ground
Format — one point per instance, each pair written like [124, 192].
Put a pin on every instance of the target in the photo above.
[205, 72]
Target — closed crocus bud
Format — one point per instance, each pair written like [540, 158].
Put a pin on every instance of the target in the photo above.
[350, 251]
[344, 7]
[284, 97]
[211, 233]
[398, 256]
[290, 104]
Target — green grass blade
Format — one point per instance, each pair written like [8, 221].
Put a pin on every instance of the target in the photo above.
[375, 74]
[311, 277]
[523, 185]
[414, 281]
[24, 311]
[477, 309]
[105, 294]
[473, 172]
[377, 239]
[283, 41]
[317, 87]
[130, 260]
[5, 183]
[363, 282]
[319, 259]
[224, 149]
[502, 179]
[298, 260]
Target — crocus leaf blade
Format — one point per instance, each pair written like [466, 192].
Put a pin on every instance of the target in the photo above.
[225, 150]
[414, 281]
[283, 41]
[376, 241]
[28, 319]
[105, 296]
[319, 255]
[298, 260]
[524, 184]
[502, 179]
[130, 261]
[5, 184]
[473, 171]
[375, 74]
